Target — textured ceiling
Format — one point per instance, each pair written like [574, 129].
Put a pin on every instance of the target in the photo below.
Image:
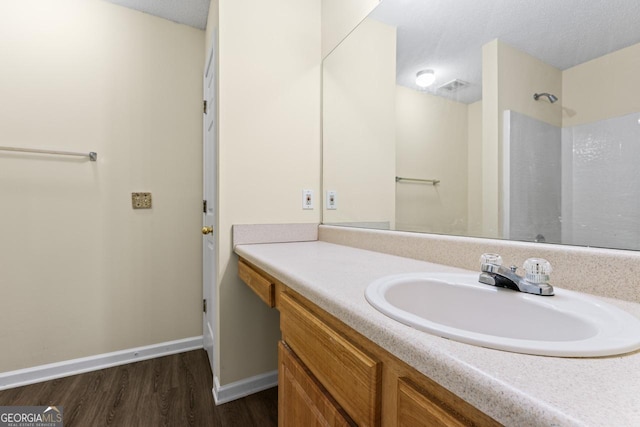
[447, 35]
[189, 12]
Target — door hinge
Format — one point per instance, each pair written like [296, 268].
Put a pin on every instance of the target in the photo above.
[204, 305]
[204, 206]
[204, 106]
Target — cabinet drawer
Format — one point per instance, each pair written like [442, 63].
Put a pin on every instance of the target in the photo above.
[350, 375]
[262, 286]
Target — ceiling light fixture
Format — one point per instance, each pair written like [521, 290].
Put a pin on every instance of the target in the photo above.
[425, 78]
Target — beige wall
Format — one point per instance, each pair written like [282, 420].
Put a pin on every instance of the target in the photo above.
[340, 17]
[81, 272]
[269, 151]
[491, 130]
[431, 143]
[509, 80]
[602, 88]
[474, 169]
[359, 125]
[212, 24]
[520, 76]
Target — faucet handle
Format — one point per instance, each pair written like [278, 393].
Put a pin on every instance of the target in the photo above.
[491, 259]
[537, 270]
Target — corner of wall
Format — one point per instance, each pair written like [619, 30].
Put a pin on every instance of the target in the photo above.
[269, 151]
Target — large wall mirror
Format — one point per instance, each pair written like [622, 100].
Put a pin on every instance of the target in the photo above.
[504, 119]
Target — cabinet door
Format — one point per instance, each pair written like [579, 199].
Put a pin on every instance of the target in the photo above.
[416, 408]
[302, 401]
[351, 375]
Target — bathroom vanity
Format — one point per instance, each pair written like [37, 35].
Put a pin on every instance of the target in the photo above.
[345, 362]
[328, 370]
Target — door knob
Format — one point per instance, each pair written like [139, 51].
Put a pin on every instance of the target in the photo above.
[207, 229]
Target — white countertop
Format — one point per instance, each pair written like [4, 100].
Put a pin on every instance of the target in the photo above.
[515, 389]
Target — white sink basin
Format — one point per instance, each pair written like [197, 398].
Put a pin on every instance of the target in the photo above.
[456, 306]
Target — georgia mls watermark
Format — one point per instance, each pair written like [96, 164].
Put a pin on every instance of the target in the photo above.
[31, 416]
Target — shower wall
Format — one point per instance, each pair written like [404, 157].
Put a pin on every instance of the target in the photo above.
[578, 185]
[532, 173]
[601, 183]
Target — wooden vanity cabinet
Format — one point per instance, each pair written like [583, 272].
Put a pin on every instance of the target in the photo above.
[330, 375]
[302, 400]
[260, 283]
[350, 374]
[417, 407]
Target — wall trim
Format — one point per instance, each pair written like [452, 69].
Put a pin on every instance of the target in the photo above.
[67, 368]
[242, 388]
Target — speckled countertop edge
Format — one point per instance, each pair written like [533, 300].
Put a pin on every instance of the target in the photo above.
[515, 389]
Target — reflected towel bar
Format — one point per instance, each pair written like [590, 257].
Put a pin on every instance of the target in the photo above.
[426, 181]
[93, 156]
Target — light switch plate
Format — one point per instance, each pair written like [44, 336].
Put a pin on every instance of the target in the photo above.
[141, 200]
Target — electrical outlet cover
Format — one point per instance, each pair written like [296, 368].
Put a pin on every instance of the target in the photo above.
[307, 199]
[141, 200]
[332, 201]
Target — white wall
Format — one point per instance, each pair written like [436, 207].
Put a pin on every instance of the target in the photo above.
[269, 151]
[359, 126]
[81, 272]
[431, 143]
[340, 17]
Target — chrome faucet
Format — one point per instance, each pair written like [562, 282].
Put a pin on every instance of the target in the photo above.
[535, 280]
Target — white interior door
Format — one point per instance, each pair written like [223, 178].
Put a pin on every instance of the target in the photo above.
[210, 145]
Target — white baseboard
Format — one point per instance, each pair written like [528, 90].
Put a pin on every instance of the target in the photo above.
[67, 368]
[242, 388]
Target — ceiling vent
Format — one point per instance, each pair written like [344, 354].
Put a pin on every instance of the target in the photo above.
[454, 86]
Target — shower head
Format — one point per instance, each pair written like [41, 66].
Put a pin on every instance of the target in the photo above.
[552, 98]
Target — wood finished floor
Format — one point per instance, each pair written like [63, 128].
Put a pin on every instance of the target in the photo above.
[171, 391]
